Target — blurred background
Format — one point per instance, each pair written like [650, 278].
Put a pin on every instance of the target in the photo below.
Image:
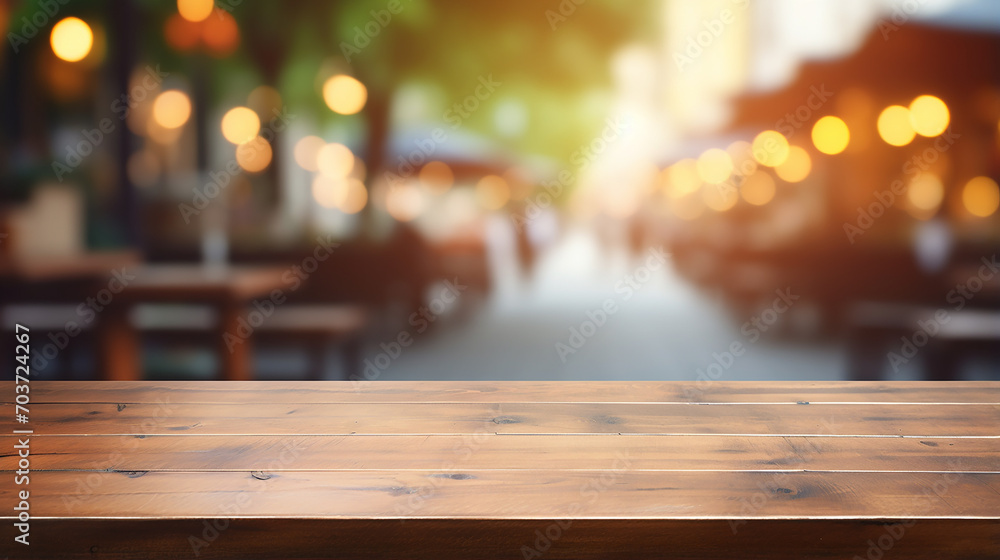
[557, 189]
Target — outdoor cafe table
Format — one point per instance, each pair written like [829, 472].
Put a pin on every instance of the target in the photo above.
[581, 470]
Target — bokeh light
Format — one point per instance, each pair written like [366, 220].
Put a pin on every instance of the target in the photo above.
[195, 10]
[240, 124]
[758, 189]
[329, 193]
[404, 202]
[181, 34]
[355, 197]
[71, 39]
[436, 177]
[770, 148]
[925, 193]
[719, 197]
[265, 100]
[796, 167]
[929, 115]
[830, 135]
[688, 207]
[683, 177]
[220, 34]
[714, 166]
[492, 192]
[981, 196]
[344, 94]
[335, 161]
[254, 156]
[172, 109]
[894, 126]
[306, 152]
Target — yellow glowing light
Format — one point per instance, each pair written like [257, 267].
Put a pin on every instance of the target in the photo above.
[830, 135]
[925, 192]
[929, 115]
[335, 161]
[240, 125]
[195, 10]
[436, 177]
[171, 109]
[894, 126]
[796, 167]
[719, 197]
[981, 196]
[344, 94]
[758, 189]
[307, 152]
[683, 177]
[355, 197]
[770, 148]
[254, 156]
[404, 202]
[714, 166]
[329, 193]
[71, 39]
[741, 152]
[492, 192]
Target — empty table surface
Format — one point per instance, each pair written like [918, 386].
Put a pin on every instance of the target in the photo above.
[510, 470]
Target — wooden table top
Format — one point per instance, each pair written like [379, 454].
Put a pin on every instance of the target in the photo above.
[193, 282]
[510, 469]
[95, 264]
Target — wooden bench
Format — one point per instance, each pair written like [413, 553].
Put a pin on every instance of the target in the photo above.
[513, 470]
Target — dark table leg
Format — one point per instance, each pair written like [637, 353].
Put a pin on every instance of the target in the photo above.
[235, 350]
[118, 345]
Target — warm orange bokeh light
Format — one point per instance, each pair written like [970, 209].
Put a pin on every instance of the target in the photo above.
[929, 116]
[924, 193]
[683, 177]
[181, 34]
[796, 167]
[714, 166]
[830, 135]
[894, 126]
[436, 177]
[220, 33]
[254, 156]
[71, 39]
[195, 10]
[171, 109]
[981, 196]
[492, 192]
[344, 94]
[758, 189]
[335, 161]
[307, 152]
[770, 148]
[240, 125]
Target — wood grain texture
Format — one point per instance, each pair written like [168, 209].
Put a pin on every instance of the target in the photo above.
[517, 452]
[973, 392]
[517, 418]
[511, 470]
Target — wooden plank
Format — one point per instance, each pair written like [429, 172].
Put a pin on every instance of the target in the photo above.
[551, 539]
[481, 452]
[613, 492]
[516, 418]
[291, 392]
